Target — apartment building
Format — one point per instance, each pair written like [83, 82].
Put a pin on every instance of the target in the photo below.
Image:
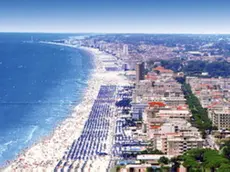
[220, 118]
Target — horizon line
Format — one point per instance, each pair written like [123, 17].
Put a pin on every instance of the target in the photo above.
[147, 33]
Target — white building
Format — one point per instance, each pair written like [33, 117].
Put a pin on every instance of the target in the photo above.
[221, 119]
[125, 50]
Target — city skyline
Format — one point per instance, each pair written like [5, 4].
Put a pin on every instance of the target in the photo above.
[206, 17]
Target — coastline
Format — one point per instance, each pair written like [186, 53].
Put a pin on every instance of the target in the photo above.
[45, 154]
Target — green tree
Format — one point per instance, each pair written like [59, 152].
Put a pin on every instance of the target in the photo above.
[118, 168]
[149, 169]
[165, 169]
[224, 168]
[225, 149]
[163, 160]
[202, 159]
[151, 151]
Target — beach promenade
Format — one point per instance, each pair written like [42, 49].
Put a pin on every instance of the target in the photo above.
[76, 130]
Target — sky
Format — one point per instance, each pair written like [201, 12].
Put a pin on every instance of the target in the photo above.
[115, 16]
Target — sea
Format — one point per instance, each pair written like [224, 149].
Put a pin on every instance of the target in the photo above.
[40, 84]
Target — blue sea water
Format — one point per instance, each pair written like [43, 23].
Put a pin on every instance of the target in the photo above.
[39, 85]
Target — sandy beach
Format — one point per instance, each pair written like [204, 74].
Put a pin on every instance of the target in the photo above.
[44, 155]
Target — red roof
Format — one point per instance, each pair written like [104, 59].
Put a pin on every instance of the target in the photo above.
[159, 104]
[159, 68]
[162, 70]
[181, 107]
[155, 126]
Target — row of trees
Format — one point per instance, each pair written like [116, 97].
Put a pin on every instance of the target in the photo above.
[199, 114]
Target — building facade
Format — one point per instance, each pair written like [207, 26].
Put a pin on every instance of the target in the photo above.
[221, 119]
[140, 71]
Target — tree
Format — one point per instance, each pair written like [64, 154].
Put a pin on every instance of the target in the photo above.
[151, 151]
[225, 149]
[165, 169]
[163, 160]
[175, 162]
[149, 169]
[191, 163]
[224, 168]
[197, 159]
[118, 168]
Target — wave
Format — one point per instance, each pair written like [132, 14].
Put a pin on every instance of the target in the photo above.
[80, 81]
[4, 147]
[30, 136]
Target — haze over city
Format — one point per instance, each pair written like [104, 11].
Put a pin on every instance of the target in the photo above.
[129, 16]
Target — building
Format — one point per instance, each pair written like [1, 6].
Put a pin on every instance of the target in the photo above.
[173, 140]
[131, 75]
[125, 50]
[184, 114]
[164, 72]
[179, 143]
[172, 136]
[137, 110]
[140, 71]
[152, 158]
[221, 119]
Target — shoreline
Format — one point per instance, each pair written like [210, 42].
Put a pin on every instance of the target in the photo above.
[46, 153]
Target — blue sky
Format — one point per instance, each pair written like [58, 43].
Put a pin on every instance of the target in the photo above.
[115, 16]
